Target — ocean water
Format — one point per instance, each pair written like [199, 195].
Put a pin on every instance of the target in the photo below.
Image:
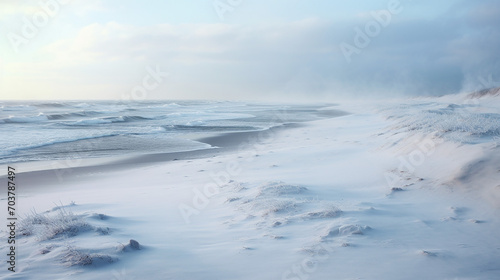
[34, 131]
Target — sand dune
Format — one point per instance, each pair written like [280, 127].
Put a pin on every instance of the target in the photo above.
[401, 190]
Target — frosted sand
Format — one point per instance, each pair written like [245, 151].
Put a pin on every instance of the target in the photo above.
[353, 197]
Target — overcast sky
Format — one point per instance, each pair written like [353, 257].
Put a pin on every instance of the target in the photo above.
[246, 49]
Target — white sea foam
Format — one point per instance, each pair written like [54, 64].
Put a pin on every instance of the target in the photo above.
[66, 122]
[25, 119]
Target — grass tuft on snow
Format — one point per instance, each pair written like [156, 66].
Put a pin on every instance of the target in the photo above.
[52, 225]
[79, 257]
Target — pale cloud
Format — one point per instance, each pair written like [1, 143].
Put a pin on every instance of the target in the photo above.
[430, 56]
[28, 8]
[14, 8]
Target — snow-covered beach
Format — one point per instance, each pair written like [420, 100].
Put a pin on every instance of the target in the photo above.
[406, 189]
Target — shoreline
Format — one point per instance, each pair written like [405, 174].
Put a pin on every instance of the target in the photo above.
[57, 171]
[54, 172]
